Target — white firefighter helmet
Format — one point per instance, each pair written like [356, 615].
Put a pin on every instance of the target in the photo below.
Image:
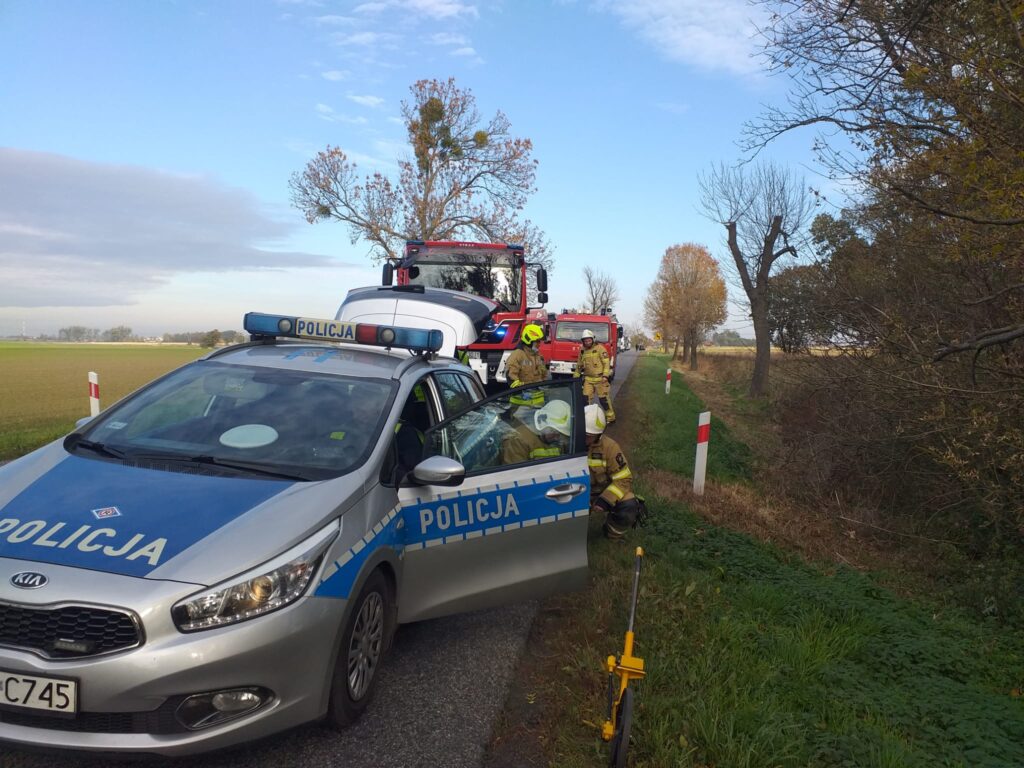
[595, 419]
[556, 415]
[587, 334]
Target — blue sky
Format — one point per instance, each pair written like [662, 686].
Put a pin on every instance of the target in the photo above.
[145, 147]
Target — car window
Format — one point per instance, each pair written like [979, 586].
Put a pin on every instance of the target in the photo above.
[418, 414]
[503, 432]
[567, 330]
[291, 419]
[455, 392]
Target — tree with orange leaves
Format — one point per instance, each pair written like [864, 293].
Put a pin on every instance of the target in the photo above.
[687, 299]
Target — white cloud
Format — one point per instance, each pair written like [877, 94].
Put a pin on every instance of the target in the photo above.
[710, 35]
[366, 101]
[332, 20]
[77, 233]
[448, 38]
[367, 39]
[335, 74]
[433, 9]
[324, 112]
[464, 52]
[441, 9]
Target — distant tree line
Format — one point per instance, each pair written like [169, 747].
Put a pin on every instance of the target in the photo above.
[730, 339]
[204, 338]
[79, 333]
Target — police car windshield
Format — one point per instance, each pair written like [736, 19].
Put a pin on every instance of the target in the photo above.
[573, 331]
[247, 419]
[493, 277]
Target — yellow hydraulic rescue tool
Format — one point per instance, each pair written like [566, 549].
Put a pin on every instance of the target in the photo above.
[620, 697]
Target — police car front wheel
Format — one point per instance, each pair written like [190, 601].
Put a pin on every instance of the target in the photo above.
[364, 640]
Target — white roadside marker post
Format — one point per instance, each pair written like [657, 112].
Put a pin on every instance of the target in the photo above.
[701, 464]
[668, 380]
[94, 394]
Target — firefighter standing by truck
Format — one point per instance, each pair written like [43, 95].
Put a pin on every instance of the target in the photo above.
[595, 368]
[611, 481]
[526, 366]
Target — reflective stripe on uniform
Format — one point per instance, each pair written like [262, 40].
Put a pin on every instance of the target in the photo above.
[597, 463]
[622, 474]
[615, 491]
[544, 453]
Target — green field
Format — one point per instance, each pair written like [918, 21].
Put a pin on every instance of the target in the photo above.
[46, 386]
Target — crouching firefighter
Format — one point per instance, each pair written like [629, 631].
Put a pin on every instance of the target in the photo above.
[526, 366]
[611, 482]
[595, 368]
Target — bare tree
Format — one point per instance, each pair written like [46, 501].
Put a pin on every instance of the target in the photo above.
[466, 179]
[765, 210]
[602, 292]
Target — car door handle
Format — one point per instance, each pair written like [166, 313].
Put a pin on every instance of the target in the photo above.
[565, 492]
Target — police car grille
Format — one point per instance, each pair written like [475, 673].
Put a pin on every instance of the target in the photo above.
[68, 632]
[156, 722]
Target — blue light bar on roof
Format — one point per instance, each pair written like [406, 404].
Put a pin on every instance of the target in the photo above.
[422, 339]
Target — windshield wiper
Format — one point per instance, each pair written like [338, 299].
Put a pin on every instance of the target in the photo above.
[244, 466]
[74, 441]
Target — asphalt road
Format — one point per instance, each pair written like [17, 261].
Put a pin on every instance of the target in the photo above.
[439, 694]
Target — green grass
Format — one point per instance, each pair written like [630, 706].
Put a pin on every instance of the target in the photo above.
[756, 658]
[46, 385]
[673, 418]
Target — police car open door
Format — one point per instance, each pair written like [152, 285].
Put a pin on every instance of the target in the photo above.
[515, 528]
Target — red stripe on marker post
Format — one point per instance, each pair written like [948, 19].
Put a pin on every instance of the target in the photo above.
[668, 380]
[94, 393]
[700, 464]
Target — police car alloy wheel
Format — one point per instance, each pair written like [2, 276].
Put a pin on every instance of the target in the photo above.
[366, 636]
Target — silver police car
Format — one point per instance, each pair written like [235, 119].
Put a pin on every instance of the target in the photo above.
[227, 552]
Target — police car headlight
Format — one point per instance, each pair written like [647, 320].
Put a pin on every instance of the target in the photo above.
[258, 592]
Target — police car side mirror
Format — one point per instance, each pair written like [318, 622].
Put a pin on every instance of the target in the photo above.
[439, 470]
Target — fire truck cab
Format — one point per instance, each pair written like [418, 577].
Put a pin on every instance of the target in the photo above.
[495, 271]
[561, 349]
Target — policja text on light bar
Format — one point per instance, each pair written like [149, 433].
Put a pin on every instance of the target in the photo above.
[421, 339]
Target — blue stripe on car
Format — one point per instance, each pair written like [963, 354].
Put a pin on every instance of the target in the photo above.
[465, 515]
[143, 517]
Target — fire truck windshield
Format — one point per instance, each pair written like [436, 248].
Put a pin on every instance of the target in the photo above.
[495, 277]
[568, 330]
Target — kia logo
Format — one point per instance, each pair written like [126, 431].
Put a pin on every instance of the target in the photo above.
[29, 580]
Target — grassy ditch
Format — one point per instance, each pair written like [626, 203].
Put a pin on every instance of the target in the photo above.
[756, 657]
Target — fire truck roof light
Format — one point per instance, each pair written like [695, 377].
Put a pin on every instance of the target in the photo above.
[420, 339]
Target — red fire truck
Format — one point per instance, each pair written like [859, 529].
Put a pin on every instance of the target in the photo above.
[561, 349]
[494, 270]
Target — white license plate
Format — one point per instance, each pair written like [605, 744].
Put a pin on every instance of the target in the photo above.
[31, 692]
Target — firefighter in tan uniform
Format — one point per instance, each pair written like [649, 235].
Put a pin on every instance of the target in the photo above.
[553, 423]
[595, 368]
[526, 366]
[611, 481]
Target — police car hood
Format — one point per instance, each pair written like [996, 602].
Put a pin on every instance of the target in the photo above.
[136, 521]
